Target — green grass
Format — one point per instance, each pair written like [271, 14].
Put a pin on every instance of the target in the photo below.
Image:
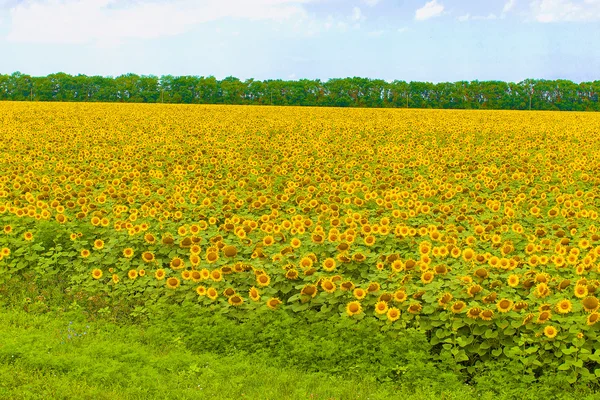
[61, 355]
[41, 358]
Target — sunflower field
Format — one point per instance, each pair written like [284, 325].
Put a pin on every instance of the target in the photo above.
[478, 228]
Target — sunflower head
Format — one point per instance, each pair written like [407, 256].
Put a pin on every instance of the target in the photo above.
[550, 331]
[381, 307]
[393, 314]
[590, 304]
[353, 308]
[458, 307]
[273, 303]
[97, 273]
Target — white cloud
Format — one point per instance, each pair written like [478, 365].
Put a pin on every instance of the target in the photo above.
[469, 17]
[357, 14]
[565, 10]
[429, 10]
[403, 29]
[371, 3]
[102, 21]
[509, 5]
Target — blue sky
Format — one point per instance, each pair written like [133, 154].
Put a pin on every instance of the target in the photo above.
[413, 40]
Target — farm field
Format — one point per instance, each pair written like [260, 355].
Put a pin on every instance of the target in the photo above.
[411, 248]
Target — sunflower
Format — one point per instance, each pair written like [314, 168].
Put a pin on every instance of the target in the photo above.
[458, 307]
[473, 290]
[97, 273]
[160, 274]
[201, 291]
[236, 300]
[482, 273]
[8, 229]
[415, 308]
[564, 306]
[353, 308]
[173, 282]
[128, 252]
[85, 253]
[273, 302]
[230, 251]
[445, 299]
[387, 297]
[132, 274]
[393, 314]
[543, 317]
[309, 290]
[28, 236]
[328, 286]
[212, 257]
[513, 281]
[98, 244]
[347, 285]
[550, 332]
[398, 266]
[295, 243]
[593, 318]
[306, 263]
[486, 315]
[473, 312]
[590, 304]
[468, 254]
[212, 293]
[195, 249]
[381, 307]
[216, 275]
[196, 276]
[400, 296]
[504, 305]
[115, 278]
[186, 275]
[520, 305]
[149, 238]
[194, 260]
[359, 293]
[268, 240]
[542, 290]
[254, 294]
[263, 280]
[147, 256]
[581, 291]
[373, 287]
[177, 263]
[427, 277]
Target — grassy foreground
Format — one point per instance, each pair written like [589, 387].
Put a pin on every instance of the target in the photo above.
[62, 356]
[48, 356]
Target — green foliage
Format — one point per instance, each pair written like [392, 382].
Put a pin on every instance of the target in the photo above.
[347, 92]
[40, 357]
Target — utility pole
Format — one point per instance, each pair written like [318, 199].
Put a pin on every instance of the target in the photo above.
[32, 93]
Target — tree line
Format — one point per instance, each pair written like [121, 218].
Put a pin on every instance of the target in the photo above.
[345, 92]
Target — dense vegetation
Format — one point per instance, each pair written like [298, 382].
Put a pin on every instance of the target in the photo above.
[418, 251]
[561, 95]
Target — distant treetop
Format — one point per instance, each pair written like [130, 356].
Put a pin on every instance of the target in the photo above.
[345, 92]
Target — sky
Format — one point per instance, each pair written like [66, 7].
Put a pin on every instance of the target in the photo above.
[411, 40]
